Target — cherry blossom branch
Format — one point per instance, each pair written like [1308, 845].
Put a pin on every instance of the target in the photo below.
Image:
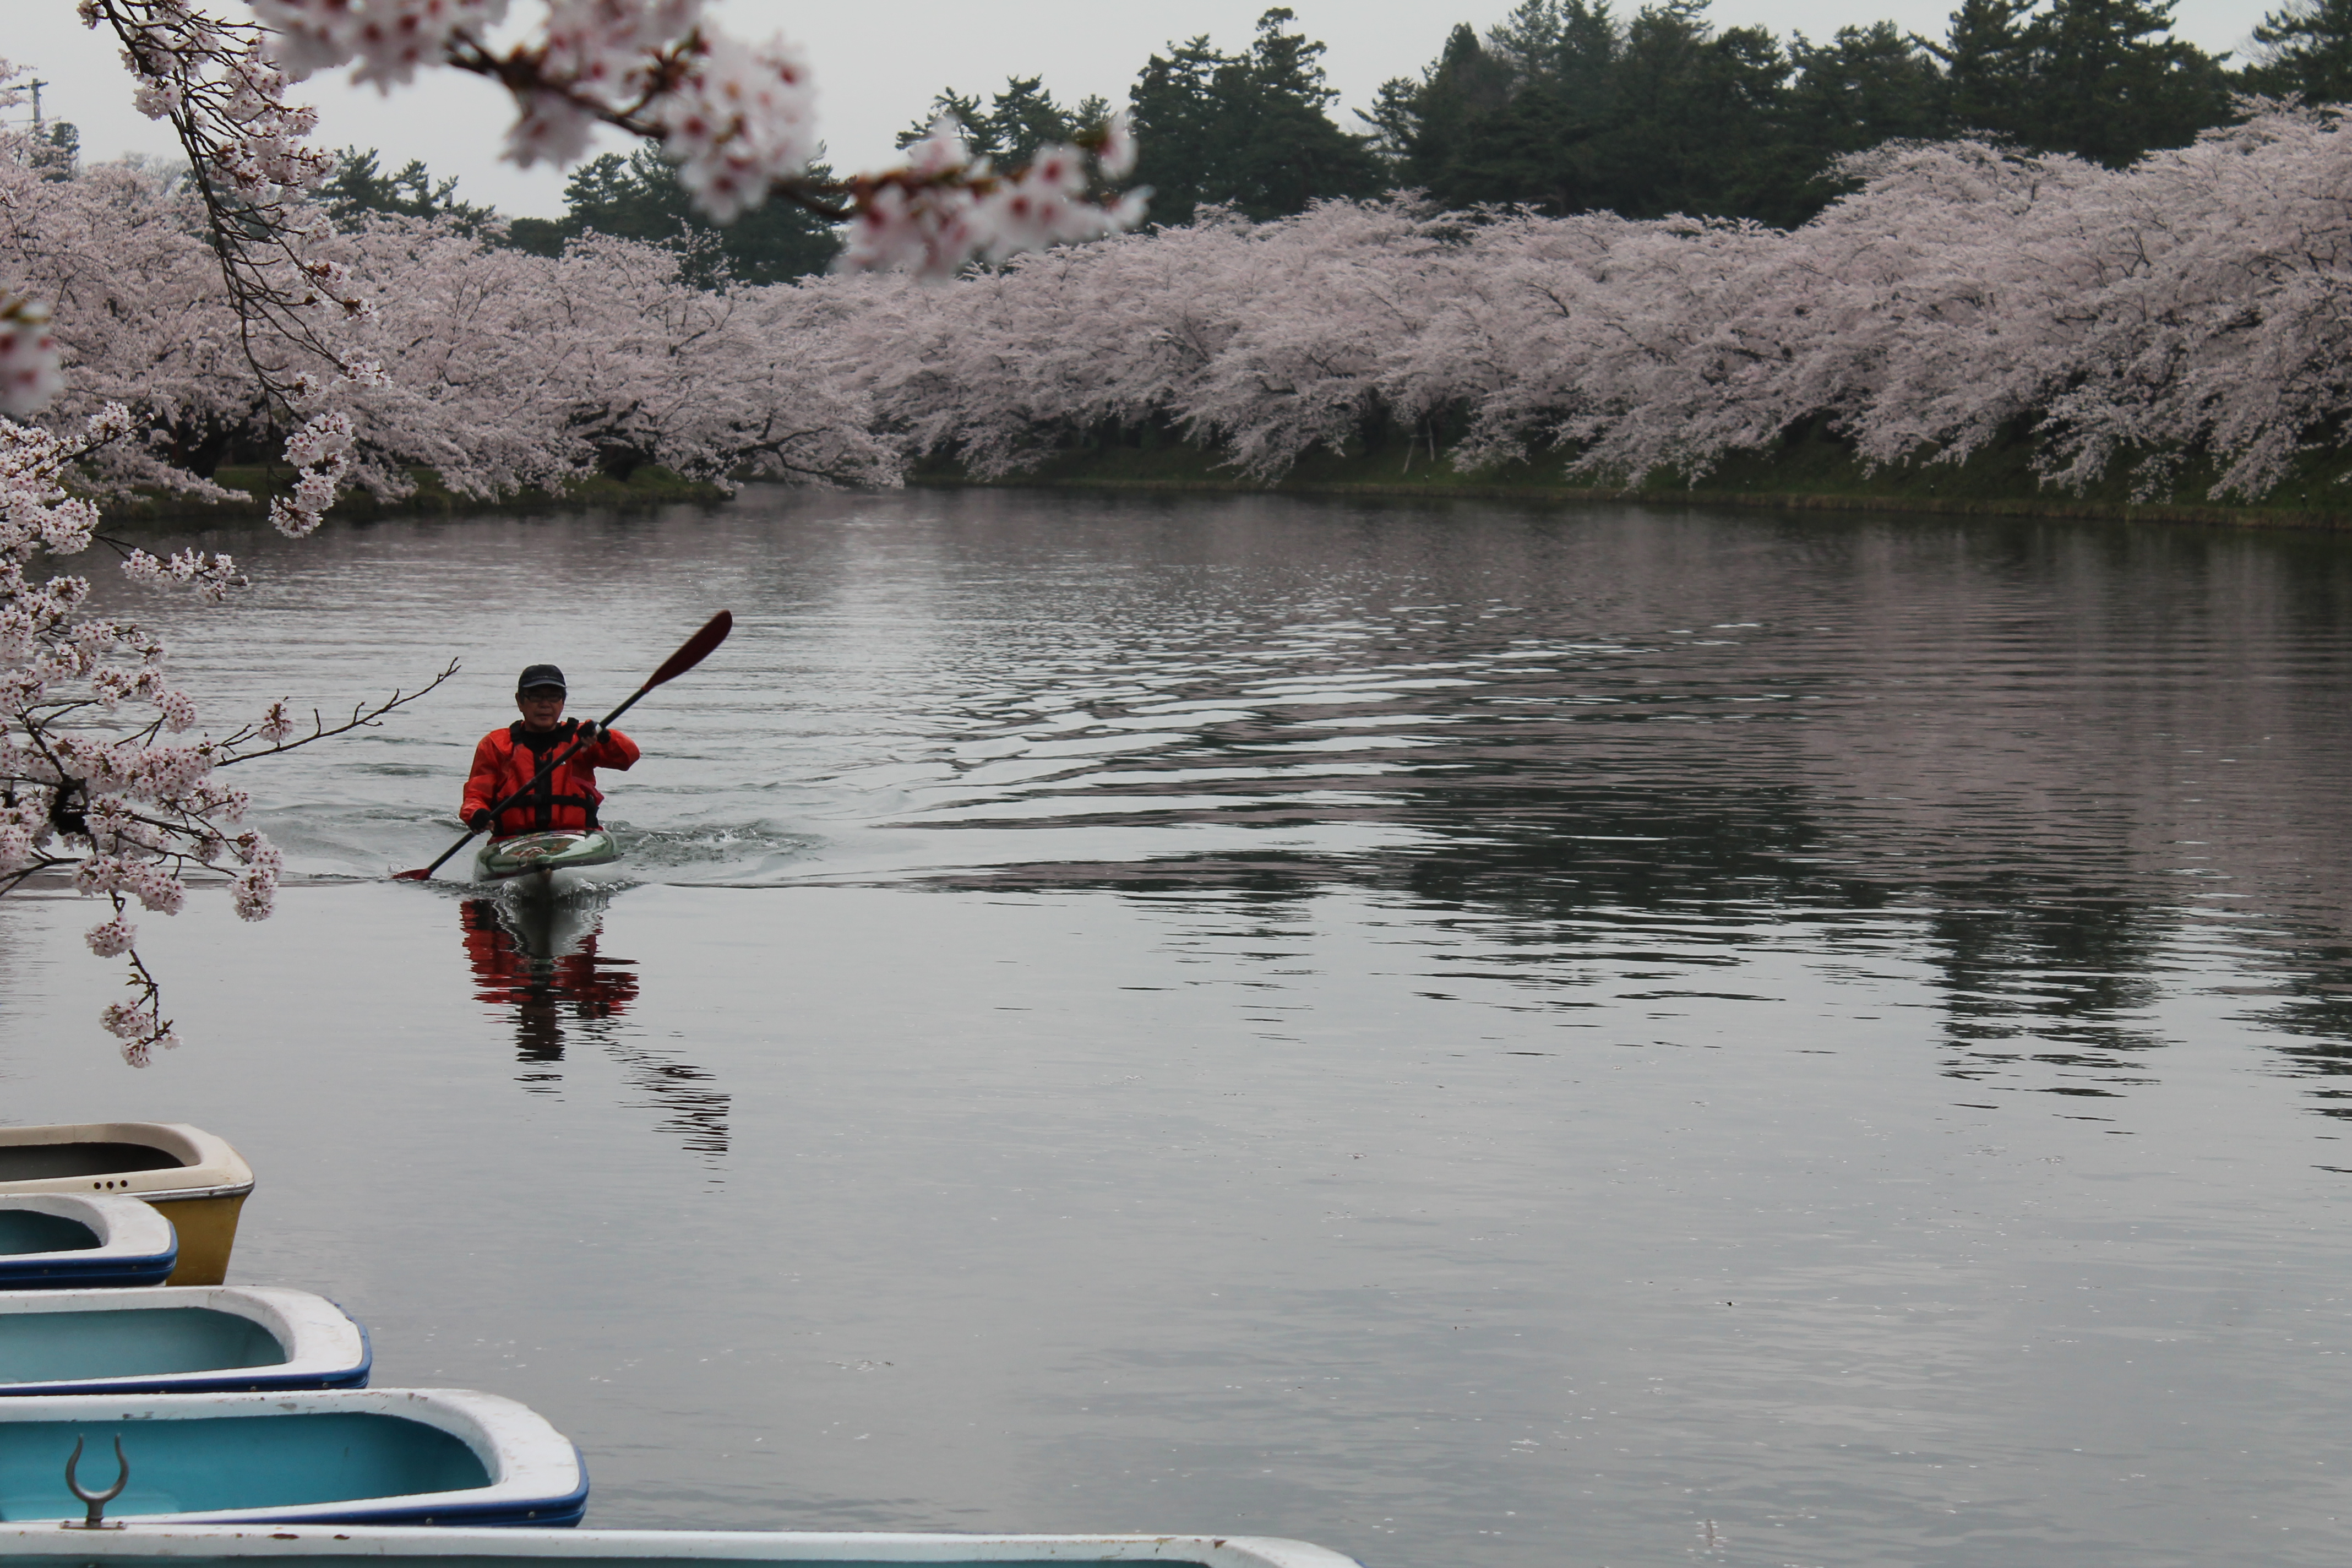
[738, 119]
[277, 722]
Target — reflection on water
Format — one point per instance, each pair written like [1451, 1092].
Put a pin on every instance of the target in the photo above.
[539, 958]
[1477, 1034]
[2037, 754]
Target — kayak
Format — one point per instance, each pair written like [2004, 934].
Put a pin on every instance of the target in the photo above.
[545, 865]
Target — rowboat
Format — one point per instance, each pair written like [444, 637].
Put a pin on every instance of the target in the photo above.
[47, 1547]
[196, 1180]
[57, 1240]
[545, 865]
[213, 1339]
[342, 1457]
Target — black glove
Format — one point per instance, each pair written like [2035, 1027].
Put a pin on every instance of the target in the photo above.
[478, 821]
[591, 731]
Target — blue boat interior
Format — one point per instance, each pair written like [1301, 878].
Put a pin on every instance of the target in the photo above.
[45, 1162]
[57, 1347]
[210, 1463]
[22, 1231]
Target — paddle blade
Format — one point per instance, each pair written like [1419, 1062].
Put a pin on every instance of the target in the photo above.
[417, 875]
[696, 650]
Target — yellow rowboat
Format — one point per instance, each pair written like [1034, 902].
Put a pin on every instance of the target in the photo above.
[195, 1180]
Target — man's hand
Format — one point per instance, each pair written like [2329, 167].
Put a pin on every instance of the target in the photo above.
[480, 821]
[591, 730]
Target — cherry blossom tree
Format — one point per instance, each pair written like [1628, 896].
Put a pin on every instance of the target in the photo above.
[2190, 307]
[94, 777]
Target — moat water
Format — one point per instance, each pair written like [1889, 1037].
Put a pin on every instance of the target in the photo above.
[1473, 1035]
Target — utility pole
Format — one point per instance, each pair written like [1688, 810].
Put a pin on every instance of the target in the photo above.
[36, 106]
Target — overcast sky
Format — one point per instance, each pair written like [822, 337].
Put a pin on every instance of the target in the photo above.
[877, 64]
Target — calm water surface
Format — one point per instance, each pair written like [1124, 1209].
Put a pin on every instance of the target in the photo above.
[1471, 1036]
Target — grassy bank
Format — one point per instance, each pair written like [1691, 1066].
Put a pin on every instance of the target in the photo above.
[647, 487]
[1809, 472]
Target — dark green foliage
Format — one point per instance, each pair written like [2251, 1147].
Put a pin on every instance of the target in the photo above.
[1248, 130]
[639, 197]
[1565, 106]
[2308, 51]
[360, 188]
[1014, 124]
[56, 149]
[2110, 82]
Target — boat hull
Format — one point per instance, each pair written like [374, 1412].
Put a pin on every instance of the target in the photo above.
[546, 865]
[190, 1547]
[342, 1457]
[206, 1340]
[192, 1178]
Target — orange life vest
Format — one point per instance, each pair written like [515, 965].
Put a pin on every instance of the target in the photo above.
[566, 798]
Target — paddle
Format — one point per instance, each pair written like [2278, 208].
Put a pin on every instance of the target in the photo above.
[693, 651]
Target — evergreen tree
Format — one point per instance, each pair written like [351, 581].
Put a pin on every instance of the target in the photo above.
[2111, 83]
[1249, 130]
[1866, 85]
[1987, 70]
[1697, 124]
[639, 197]
[359, 187]
[56, 149]
[2307, 49]
[1014, 123]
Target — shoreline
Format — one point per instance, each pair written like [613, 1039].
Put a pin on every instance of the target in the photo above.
[645, 488]
[1810, 472]
[1178, 470]
[1791, 500]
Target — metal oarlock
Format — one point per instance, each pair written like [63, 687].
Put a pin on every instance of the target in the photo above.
[97, 1500]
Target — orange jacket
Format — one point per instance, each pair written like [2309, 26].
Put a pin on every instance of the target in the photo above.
[567, 798]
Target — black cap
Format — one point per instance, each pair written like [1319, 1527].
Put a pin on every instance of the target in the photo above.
[540, 674]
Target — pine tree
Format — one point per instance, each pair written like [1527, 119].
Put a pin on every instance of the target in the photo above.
[639, 197]
[2111, 83]
[1249, 130]
[2307, 49]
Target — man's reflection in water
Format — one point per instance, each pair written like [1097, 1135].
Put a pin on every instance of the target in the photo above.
[540, 959]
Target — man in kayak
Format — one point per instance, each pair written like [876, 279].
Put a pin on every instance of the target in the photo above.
[567, 798]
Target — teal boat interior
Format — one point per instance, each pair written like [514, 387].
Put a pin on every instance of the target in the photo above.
[205, 1464]
[29, 1230]
[57, 1347]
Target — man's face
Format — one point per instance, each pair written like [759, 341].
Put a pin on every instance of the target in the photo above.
[542, 707]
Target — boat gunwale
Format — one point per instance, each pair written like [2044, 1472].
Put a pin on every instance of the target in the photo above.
[137, 1248]
[218, 1170]
[324, 1347]
[140, 1541]
[517, 1448]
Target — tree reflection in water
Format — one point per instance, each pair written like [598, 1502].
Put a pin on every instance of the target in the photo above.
[540, 958]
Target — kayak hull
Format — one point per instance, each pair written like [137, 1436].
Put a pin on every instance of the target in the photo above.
[546, 865]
